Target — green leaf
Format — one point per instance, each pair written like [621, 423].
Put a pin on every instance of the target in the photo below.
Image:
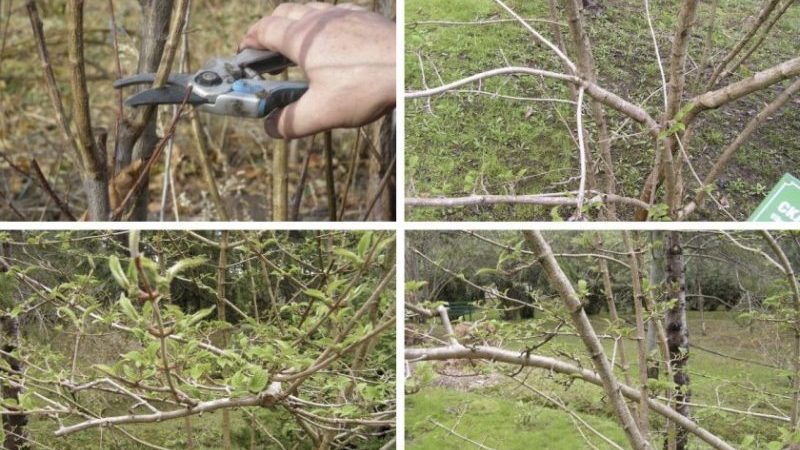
[117, 273]
[583, 288]
[413, 285]
[363, 243]
[355, 259]
[334, 285]
[89, 311]
[199, 315]
[127, 308]
[239, 381]
[315, 293]
[68, 312]
[259, 380]
[105, 369]
[26, 400]
[197, 371]
[183, 265]
[555, 216]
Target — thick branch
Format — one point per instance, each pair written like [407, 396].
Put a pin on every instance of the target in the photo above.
[596, 92]
[734, 91]
[266, 398]
[536, 199]
[562, 285]
[93, 162]
[727, 154]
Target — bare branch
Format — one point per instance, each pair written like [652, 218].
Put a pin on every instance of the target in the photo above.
[535, 199]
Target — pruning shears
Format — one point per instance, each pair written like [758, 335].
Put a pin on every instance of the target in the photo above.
[226, 86]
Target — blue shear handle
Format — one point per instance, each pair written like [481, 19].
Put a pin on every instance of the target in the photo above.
[274, 94]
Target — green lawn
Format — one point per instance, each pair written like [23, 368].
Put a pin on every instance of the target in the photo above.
[468, 143]
[507, 416]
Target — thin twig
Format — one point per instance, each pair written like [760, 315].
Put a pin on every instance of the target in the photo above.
[330, 181]
[386, 177]
[156, 153]
[351, 170]
[301, 183]
[37, 171]
[582, 156]
[460, 436]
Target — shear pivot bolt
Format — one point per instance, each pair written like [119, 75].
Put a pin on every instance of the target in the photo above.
[208, 78]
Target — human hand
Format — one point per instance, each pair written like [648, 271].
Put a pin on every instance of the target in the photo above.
[348, 55]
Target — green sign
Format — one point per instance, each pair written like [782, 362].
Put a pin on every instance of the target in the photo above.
[782, 204]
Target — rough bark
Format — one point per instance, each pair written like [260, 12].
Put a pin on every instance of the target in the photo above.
[678, 331]
[672, 169]
[385, 207]
[562, 285]
[14, 424]
[137, 136]
[588, 71]
[93, 162]
[656, 280]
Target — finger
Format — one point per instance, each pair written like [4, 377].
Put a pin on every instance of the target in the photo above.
[320, 5]
[270, 33]
[351, 6]
[313, 113]
[292, 11]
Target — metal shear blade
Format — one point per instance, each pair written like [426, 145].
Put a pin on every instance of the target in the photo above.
[227, 86]
[167, 95]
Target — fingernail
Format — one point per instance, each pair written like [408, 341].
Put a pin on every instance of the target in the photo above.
[271, 124]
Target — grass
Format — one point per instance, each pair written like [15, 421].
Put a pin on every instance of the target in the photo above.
[507, 416]
[492, 422]
[460, 144]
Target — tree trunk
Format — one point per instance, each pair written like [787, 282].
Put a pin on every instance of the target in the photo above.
[137, 134]
[701, 304]
[656, 279]
[94, 171]
[13, 425]
[678, 331]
